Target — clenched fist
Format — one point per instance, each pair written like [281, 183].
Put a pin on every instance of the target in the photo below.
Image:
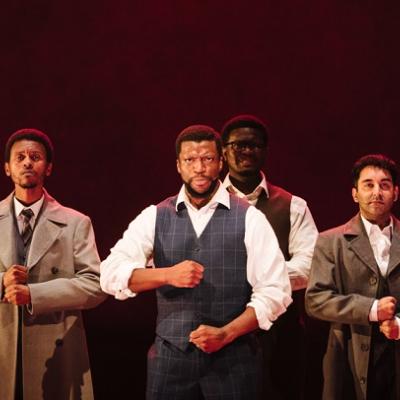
[208, 338]
[390, 329]
[386, 308]
[16, 274]
[186, 274]
[17, 294]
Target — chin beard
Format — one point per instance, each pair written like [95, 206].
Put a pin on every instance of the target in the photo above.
[203, 195]
[28, 185]
[249, 172]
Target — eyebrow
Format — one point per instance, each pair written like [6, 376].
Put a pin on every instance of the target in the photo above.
[382, 180]
[29, 151]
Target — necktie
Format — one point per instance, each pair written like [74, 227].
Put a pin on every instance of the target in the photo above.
[27, 214]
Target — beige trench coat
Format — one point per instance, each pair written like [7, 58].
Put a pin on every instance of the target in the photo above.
[63, 278]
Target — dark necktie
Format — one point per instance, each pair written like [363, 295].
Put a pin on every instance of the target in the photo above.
[26, 234]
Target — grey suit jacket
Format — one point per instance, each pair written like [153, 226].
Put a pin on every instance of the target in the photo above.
[342, 288]
[63, 278]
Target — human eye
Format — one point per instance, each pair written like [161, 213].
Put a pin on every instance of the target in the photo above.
[36, 157]
[367, 185]
[208, 159]
[20, 157]
[188, 160]
[386, 185]
[239, 145]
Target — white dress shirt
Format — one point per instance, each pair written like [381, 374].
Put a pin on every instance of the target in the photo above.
[266, 270]
[380, 241]
[19, 207]
[302, 237]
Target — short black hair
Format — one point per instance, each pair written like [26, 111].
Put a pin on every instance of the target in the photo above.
[30, 134]
[198, 133]
[374, 160]
[245, 121]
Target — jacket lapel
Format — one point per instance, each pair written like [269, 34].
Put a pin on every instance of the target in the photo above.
[359, 243]
[49, 227]
[8, 253]
[394, 259]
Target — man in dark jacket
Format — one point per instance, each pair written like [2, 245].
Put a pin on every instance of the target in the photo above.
[355, 284]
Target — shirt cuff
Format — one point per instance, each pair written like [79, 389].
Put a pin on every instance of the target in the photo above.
[265, 313]
[397, 319]
[373, 313]
[120, 285]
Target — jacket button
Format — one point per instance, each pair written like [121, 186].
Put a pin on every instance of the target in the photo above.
[59, 342]
[54, 270]
[373, 280]
[364, 347]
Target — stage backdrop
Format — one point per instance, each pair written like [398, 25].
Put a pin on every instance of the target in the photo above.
[114, 82]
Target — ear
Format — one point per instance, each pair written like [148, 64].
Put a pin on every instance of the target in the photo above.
[221, 163]
[224, 150]
[354, 194]
[49, 169]
[396, 193]
[7, 169]
[178, 166]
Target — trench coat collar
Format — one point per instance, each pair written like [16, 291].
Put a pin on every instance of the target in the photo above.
[394, 259]
[358, 240]
[8, 251]
[48, 228]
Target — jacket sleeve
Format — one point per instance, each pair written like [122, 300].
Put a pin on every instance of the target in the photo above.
[326, 298]
[82, 291]
[1, 285]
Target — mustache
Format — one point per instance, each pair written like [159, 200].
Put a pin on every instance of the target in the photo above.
[200, 176]
[204, 195]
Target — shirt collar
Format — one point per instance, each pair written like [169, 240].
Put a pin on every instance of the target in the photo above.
[370, 228]
[35, 207]
[221, 196]
[256, 192]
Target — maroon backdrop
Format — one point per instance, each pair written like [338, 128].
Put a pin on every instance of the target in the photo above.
[113, 82]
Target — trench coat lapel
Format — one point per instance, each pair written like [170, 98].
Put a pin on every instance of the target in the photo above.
[49, 227]
[394, 259]
[359, 243]
[8, 252]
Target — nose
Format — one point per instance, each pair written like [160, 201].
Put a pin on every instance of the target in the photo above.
[198, 165]
[27, 162]
[377, 190]
[247, 149]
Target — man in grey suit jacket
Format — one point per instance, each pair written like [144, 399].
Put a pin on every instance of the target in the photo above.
[355, 284]
[49, 270]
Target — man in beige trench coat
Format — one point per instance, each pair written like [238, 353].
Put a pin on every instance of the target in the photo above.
[49, 270]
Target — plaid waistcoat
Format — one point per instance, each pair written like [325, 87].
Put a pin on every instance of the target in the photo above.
[224, 291]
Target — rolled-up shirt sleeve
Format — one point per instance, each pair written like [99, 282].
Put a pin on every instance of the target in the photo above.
[266, 270]
[132, 251]
[302, 238]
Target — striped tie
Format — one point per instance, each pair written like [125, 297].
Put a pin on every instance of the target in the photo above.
[27, 214]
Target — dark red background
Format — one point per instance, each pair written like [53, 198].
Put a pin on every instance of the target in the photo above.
[113, 82]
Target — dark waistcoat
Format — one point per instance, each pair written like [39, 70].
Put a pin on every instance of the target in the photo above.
[379, 342]
[224, 291]
[276, 208]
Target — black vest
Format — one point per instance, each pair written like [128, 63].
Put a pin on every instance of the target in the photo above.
[276, 208]
[379, 342]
